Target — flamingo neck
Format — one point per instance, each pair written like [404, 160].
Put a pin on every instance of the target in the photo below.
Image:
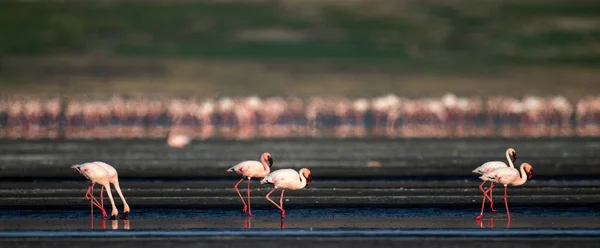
[522, 177]
[302, 179]
[264, 164]
[510, 162]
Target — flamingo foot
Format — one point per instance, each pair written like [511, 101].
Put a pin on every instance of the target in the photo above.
[124, 216]
[113, 217]
[245, 208]
[478, 217]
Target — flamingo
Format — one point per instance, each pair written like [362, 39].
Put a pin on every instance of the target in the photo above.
[511, 157]
[286, 179]
[177, 140]
[103, 174]
[250, 169]
[506, 176]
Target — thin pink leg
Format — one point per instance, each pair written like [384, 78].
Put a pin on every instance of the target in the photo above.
[281, 204]
[240, 194]
[92, 212]
[94, 201]
[486, 196]
[102, 196]
[490, 198]
[280, 208]
[87, 193]
[482, 205]
[506, 203]
[249, 210]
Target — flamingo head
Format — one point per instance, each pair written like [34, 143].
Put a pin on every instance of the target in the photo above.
[513, 154]
[267, 156]
[76, 167]
[528, 169]
[306, 173]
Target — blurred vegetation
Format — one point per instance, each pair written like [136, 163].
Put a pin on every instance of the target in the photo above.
[528, 31]
[301, 47]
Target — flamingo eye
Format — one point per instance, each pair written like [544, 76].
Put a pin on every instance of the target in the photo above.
[85, 169]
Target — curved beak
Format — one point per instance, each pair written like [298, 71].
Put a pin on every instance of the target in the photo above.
[308, 179]
[530, 174]
[270, 161]
[75, 167]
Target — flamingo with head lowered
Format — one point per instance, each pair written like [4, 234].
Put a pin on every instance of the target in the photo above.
[103, 174]
[250, 169]
[506, 176]
[286, 179]
[511, 157]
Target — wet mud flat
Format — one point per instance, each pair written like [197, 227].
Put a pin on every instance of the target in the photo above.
[365, 192]
[327, 158]
[328, 227]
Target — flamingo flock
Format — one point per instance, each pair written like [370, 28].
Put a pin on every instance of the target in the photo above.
[248, 117]
[495, 172]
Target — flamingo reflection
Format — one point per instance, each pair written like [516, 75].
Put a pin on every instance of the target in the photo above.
[247, 222]
[491, 223]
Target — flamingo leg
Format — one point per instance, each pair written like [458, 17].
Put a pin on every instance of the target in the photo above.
[95, 202]
[280, 208]
[482, 205]
[486, 196]
[490, 198]
[249, 211]
[281, 204]
[506, 203]
[102, 196]
[240, 194]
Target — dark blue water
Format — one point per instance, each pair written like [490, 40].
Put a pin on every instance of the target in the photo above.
[147, 213]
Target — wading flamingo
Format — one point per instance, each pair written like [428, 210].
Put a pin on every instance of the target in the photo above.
[511, 157]
[286, 179]
[93, 173]
[506, 176]
[103, 174]
[250, 169]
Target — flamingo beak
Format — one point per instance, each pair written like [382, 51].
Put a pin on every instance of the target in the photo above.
[270, 161]
[308, 179]
[514, 157]
[530, 174]
[75, 167]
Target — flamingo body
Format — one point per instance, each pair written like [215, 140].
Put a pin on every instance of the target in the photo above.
[103, 174]
[250, 169]
[511, 157]
[286, 179]
[508, 176]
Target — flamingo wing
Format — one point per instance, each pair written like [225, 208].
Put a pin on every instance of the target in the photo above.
[281, 178]
[501, 175]
[489, 166]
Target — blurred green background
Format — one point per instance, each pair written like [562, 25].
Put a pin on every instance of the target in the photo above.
[301, 47]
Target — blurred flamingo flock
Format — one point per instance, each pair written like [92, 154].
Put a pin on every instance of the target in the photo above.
[145, 116]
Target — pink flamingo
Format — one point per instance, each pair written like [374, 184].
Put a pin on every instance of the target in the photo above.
[506, 176]
[286, 179]
[250, 169]
[511, 157]
[103, 174]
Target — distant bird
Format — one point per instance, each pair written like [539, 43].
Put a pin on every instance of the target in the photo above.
[250, 169]
[177, 140]
[511, 157]
[103, 174]
[506, 176]
[286, 179]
